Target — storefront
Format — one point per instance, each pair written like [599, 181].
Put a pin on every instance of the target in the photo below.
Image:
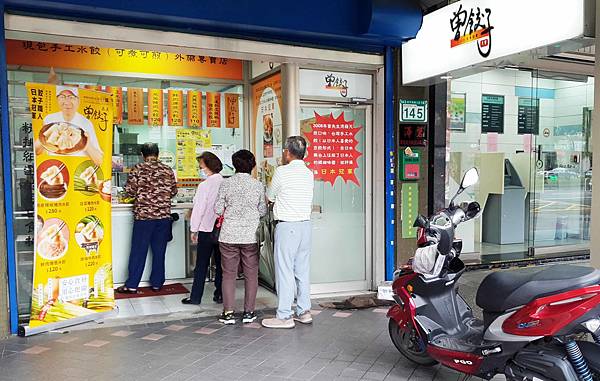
[519, 95]
[192, 93]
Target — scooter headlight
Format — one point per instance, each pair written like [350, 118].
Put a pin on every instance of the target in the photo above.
[592, 325]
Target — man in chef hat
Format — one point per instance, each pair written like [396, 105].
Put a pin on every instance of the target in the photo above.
[68, 103]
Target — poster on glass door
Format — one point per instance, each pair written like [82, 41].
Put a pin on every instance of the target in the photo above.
[72, 276]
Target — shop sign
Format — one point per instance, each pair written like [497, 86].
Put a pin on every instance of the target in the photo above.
[194, 108]
[492, 114]
[72, 275]
[232, 110]
[470, 32]
[117, 93]
[409, 209]
[412, 111]
[413, 135]
[189, 143]
[332, 149]
[321, 83]
[135, 106]
[175, 108]
[95, 58]
[155, 107]
[213, 110]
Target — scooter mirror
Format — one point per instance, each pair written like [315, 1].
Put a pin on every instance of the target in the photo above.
[470, 178]
[420, 222]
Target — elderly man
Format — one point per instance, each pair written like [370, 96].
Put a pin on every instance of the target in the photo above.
[153, 185]
[292, 192]
[68, 103]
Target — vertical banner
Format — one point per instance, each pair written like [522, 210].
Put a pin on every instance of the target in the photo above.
[213, 110]
[232, 111]
[135, 106]
[72, 276]
[117, 93]
[175, 108]
[189, 143]
[194, 108]
[155, 107]
[410, 209]
[332, 149]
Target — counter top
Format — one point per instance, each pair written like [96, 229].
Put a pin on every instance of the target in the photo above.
[185, 205]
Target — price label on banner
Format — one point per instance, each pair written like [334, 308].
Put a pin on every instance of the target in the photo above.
[412, 111]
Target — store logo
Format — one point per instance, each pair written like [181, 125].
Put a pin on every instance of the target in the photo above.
[472, 26]
[336, 83]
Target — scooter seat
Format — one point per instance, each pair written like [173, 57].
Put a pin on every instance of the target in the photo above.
[503, 290]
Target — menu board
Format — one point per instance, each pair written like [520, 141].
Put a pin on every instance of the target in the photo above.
[529, 116]
[492, 113]
[189, 143]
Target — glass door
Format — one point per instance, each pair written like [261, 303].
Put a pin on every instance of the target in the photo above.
[339, 148]
[561, 204]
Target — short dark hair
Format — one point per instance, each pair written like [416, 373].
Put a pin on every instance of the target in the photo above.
[211, 161]
[243, 161]
[149, 149]
[296, 145]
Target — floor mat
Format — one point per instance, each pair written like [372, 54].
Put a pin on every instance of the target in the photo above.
[142, 292]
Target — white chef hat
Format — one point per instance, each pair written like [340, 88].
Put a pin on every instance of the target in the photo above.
[63, 89]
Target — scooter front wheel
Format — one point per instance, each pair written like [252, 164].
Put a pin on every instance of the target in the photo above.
[410, 344]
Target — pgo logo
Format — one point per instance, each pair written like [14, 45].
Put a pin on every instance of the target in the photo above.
[463, 362]
[472, 26]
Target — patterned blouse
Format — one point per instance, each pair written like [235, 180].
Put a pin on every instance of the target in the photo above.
[242, 199]
[153, 185]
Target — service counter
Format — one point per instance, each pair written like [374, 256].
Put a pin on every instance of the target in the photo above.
[177, 258]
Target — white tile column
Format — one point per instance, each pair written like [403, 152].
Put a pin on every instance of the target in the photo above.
[595, 223]
[290, 89]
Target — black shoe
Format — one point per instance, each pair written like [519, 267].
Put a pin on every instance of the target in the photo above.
[249, 317]
[156, 289]
[227, 318]
[218, 299]
[188, 301]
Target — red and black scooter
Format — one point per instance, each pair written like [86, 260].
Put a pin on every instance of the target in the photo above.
[538, 324]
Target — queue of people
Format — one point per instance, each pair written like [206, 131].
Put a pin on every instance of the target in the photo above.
[225, 217]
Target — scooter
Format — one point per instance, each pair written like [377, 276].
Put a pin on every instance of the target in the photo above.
[538, 324]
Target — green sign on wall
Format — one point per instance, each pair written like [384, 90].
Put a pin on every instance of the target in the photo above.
[410, 209]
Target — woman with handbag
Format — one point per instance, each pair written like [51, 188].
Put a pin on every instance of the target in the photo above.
[206, 225]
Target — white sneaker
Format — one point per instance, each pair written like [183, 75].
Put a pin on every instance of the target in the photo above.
[278, 323]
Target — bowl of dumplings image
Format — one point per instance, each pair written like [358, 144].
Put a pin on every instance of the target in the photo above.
[53, 240]
[62, 138]
[53, 179]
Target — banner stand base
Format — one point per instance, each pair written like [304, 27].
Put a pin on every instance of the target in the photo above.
[25, 330]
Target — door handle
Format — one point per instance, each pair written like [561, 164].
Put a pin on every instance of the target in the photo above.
[539, 152]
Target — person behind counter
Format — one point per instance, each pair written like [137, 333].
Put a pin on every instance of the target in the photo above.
[242, 202]
[203, 223]
[153, 185]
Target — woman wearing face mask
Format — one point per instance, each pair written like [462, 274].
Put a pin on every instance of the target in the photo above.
[202, 223]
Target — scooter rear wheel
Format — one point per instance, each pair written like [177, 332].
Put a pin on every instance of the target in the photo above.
[410, 344]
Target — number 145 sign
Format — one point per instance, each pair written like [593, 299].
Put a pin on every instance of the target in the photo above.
[413, 111]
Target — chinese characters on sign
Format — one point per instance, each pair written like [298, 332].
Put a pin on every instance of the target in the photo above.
[413, 135]
[95, 58]
[472, 26]
[332, 82]
[332, 149]
[135, 106]
[194, 108]
[190, 142]
[213, 110]
[117, 93]
[232, 111]
[175, 108]
[529, 116]
[410, 209]
[492, 114]
[155, 107]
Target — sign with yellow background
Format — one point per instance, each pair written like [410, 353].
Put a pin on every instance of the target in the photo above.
[72, 276]
[194, 108]
[213, 110]
[155, 107]
[232, 110]
[189, 143]
[135, 106]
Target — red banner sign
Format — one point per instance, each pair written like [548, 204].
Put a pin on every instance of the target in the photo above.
[332, 149]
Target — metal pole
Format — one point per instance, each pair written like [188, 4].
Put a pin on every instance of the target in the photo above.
[290, 89]
[390, 157]
[595, 223]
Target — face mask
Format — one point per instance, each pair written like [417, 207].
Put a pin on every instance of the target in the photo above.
[203, 174]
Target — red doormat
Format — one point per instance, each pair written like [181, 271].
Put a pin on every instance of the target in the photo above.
[142, 292]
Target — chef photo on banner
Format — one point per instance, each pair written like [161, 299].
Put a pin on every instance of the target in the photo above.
[65, 136]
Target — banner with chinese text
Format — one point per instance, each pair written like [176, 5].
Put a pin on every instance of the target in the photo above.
[332, 149]
[155, 107]
[135, 106]
[194, 108]
[213, 110]
[175, 108]
[190, 143]
[117, 93]
[232, 110]
[72, 131]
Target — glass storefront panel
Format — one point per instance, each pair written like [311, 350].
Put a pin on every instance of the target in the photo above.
[528, 134]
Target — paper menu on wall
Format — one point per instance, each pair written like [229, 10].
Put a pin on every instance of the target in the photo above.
[224, 153]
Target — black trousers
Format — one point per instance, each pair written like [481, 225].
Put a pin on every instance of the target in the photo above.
[206, 248]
